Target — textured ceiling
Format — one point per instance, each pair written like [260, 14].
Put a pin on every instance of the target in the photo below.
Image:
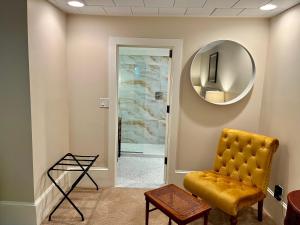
[182, 8]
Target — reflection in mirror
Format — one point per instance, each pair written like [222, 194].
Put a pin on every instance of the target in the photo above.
[222, 72]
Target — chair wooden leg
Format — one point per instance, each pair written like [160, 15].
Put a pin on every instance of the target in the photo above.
[260, 210]
[206, 219]
[233, 220]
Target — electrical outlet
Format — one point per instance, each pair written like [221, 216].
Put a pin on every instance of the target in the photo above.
[104, 103]
[278, 192]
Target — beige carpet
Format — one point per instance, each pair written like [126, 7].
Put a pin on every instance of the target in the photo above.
[126, 206]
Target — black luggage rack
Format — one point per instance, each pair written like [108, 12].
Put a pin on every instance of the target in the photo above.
[79, 163]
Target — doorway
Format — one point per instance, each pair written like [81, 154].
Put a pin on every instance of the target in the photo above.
[143, 99]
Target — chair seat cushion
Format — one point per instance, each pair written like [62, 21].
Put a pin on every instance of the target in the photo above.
[223, 192]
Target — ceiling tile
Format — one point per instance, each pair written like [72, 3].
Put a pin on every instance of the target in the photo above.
[118, 11]
[100, 2]
[260, 13]
[220, 3]
[159, 3]
[242, 8]
[252, 13]
[172, 11]
[226, 12]
[63, 5]
[274, 12]
[282, 6]
[251, 3]
[199, 11]
[285, 3]
[129, 2]
[189, 3]
[92, 10]
[142, 11]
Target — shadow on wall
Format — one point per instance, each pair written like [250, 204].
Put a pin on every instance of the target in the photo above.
[281, 160]
[202, 112]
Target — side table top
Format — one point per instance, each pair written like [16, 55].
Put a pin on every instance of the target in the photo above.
[294, 199]
[179, 203]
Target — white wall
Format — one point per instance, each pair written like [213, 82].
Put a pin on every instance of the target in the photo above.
[16, 176]
[48, 83]
[87, 60]
[49, 96]
[200, 122]
[281, 103]
[15, 119]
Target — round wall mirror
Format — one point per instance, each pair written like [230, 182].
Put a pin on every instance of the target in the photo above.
[222, 72]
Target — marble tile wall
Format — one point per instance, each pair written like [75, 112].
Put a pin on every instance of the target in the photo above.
[143, 116]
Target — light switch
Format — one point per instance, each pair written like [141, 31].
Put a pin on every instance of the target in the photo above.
[104, 103]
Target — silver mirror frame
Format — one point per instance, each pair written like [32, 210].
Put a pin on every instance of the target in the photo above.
[246, 90]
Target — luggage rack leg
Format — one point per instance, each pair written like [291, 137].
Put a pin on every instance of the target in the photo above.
[84, 172]
[65, 197]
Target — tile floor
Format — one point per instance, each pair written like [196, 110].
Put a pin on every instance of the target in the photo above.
[140, 172]
[144, 149]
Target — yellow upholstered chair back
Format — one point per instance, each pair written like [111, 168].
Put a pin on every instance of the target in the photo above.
[245, 157]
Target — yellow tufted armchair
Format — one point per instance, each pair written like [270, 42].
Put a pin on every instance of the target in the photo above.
[241, 173]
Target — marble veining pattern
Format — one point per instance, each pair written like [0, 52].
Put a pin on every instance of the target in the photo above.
[143, 116]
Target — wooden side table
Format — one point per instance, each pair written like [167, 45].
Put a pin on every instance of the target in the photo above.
[293, 209]
[180, 206]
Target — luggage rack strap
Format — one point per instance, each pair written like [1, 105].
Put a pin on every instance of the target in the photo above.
[70, 164]
[87, 156]
[84, 168]
[80, 160]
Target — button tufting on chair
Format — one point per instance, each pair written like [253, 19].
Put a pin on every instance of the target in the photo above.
[241, 172]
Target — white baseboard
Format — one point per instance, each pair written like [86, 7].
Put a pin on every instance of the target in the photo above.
[177, 176]
[101, 175]
[276, 209]
[17, 213]
[51, 195]
[32, 213]
[282, 203]
[46, 201]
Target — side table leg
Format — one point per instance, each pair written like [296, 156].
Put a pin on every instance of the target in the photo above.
[206, 219]
[260, 210]
[170, 221]
[147, 213]
[233, 220]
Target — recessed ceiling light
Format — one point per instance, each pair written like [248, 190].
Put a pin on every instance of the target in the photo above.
[268, 7]
[75, 3]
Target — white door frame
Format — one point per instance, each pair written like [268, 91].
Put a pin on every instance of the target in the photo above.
[176, 46]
